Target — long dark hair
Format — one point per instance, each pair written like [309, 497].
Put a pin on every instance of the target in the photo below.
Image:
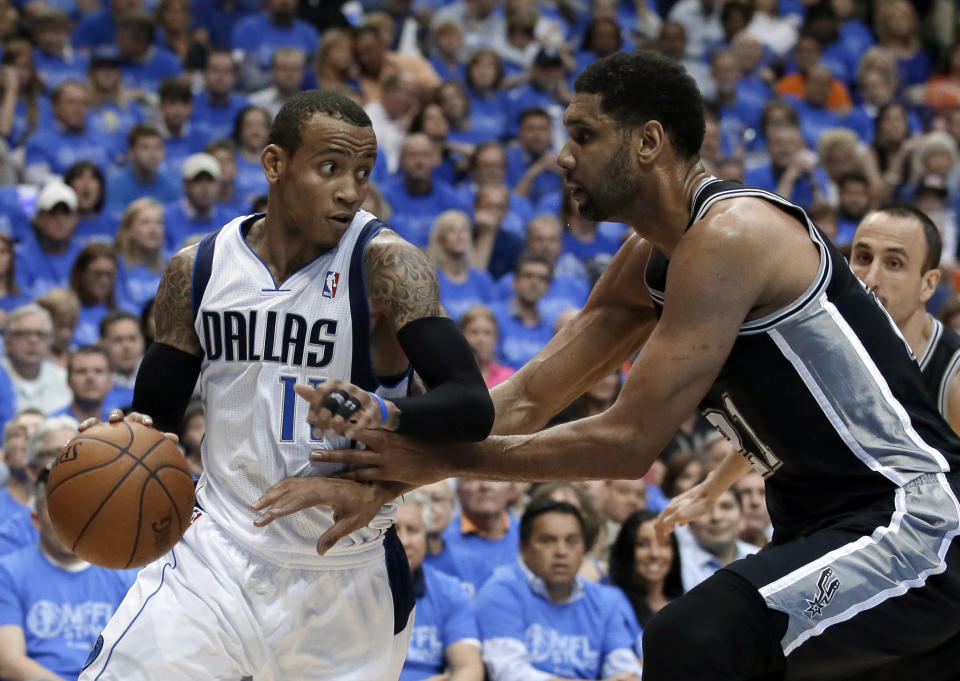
[623, 573]
[81, 167]
[95, 250]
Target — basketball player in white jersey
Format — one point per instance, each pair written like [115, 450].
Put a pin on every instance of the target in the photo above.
[315, 296]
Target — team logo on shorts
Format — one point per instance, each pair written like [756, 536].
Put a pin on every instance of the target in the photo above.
[330, 284]
[97, 647]
[826, 588]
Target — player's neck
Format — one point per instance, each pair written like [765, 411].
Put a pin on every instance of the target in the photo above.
[283, 247]
[662, 215]
[916, 331]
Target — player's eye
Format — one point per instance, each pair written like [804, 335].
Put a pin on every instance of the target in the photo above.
[328, 167]
[363, 174]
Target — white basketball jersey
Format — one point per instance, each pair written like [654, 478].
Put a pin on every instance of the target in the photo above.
[260, 338]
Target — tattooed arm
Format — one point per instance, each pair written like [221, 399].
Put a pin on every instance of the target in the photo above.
[173, 306]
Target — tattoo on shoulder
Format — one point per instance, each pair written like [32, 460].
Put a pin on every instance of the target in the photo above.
[401, 281]
[173, 307]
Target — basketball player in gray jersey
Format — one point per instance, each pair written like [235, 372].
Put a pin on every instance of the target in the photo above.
[744, 309]
[315, 298]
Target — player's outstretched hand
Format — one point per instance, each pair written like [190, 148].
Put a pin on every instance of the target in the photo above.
[354, 504]
[683, 508]
[346, 409]
[116, 416]
[394, 458]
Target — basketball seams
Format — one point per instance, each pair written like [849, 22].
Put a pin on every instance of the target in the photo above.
[136, 538]
[122, 450]
[137, 462]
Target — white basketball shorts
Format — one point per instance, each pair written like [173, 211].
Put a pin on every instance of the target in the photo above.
[209, 609]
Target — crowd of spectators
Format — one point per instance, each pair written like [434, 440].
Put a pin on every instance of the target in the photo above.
[128, 128]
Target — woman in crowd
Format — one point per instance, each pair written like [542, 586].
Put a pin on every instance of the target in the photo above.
[64, 308]
[94, 280]
[479, 327]
[454, 157]
[893, 145]
[139, 246]
[488, 103]
[461, 286]
[684, 469]
[10, 295]
[22, 107]
[452, 98]
[335, 69]
[94, 224]
[250, 131]
[897, 28]
[644, 568]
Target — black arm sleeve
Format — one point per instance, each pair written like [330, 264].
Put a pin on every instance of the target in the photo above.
[165, 382]
[456, 406]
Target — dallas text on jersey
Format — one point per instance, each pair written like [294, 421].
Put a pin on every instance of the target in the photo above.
[238, 336]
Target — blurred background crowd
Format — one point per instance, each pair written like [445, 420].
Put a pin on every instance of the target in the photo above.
[128, 128]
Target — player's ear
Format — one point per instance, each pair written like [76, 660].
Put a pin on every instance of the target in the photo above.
[273, 160]
[648, 141]
[928, 283]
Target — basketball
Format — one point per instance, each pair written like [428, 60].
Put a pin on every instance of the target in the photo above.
[120, 495]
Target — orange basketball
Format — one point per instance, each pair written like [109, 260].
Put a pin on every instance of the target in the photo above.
[120, 495]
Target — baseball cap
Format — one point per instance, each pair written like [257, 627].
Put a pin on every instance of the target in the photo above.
[55, 193]
[548, 56]
[933, 183]
[195, 164]
[105, 55]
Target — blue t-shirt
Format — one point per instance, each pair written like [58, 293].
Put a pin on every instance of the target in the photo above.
[38, 272]
[19, 130]
[9, 506]
[61, 612]
[814, 121]
[55, 70]
[524, 97]
[13, 219]
[478, 289]
[520, 343]
[114, 121]
[87, 331]
[219, 18]
[573, 640]
[250, 182]
[179, 225]
[119, 397]
[101, 227]
[17, 532]
[478, 558]
[191, 140]
[60, 149]
[544, 184]
[488, 114]
[136, 285]
[96, 28]
[215, 119]
[763, 177]
[158, 65]
[68, 411]
[8, 396]
[445, 615]
[413, 216]
[601, 245]
[256, 35]
[564, 293]
[123, 188]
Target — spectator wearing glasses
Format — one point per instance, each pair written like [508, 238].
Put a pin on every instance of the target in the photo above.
[37, 382]
[524, 329]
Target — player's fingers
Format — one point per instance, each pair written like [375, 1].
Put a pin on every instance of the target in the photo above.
[115, 416]
[307, 392]
[349, 456]
[367, 474]
[88, 423]
[340, 529]
[269, 497]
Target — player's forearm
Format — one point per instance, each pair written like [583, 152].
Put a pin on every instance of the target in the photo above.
[595, 448]
[733, 467]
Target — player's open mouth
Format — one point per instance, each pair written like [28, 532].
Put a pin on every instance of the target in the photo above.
[343, 219]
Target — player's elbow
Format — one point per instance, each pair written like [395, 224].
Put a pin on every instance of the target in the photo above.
[480, 416]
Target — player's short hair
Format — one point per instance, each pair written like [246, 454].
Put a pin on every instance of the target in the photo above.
[86, 350]
[644, 86]
[286, 131]
[538, 507]
[115, 316]
[930, 232]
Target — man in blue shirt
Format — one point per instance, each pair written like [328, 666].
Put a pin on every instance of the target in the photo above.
[142, 177]
[569, 288]
[215, 109]
[51, 151]
[415, 196]
[524, 329]
[257, 36]
[44, 259]
[815, 117]
[540, 621]
[112, 113]
[15, 497]
[88, 375]
[532, 169]
[144, 64]
[53, 56]
[445, 635]
[546, 89]
[121, 337]
[181, 138]
[482, 537]
[197, 212]
[53, 605]
[228, 197]
[792, 171]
